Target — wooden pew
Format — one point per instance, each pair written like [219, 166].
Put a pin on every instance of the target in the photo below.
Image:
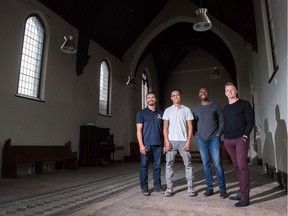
[13, 155]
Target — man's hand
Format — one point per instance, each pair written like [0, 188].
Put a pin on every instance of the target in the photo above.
[187, 146]
[244, 137]
[143, 149]
[168, 146]
[163, 150]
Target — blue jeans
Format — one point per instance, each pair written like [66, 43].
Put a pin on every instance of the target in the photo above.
[212, 147]
[156, 152]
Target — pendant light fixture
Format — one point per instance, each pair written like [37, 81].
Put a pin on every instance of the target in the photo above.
[203, 22]
[215, 74]
[68, 45]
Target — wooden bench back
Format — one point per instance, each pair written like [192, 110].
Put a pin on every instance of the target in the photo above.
[15, 154]
[41, 153]
[38, 153]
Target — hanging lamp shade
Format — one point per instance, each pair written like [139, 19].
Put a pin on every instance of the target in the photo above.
[215, 74]
[202, 23]
[68, 45]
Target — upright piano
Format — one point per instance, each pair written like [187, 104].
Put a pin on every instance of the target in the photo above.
[96, 146]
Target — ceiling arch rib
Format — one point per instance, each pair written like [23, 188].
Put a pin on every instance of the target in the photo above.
[172, 45]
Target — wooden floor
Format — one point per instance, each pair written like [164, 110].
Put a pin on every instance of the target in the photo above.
[114, 190]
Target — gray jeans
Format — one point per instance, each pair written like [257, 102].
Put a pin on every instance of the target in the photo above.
[178, 146]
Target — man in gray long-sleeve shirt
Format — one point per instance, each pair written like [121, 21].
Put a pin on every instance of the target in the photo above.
[208, 128]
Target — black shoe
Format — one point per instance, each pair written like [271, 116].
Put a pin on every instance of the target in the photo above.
[242, 203]
[209, 192]
[159, 190]
[223, 194]
[237, 197]
[145, 192]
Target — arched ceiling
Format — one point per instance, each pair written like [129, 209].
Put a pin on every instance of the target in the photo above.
[116, 24]
[172, 45]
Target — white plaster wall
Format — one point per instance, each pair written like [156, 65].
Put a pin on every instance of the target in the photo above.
[271, 99]
[69, 100]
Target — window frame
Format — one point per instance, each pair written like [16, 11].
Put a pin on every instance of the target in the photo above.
[144, 88]
[107, 111]
[41, 60]
[273, 43]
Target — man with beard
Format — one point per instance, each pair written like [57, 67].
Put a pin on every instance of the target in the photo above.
[150, 138]
[208, 128]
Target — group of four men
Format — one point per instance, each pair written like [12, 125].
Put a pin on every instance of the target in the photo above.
[208, 122]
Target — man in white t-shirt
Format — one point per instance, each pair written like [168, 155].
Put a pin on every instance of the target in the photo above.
[177, 130]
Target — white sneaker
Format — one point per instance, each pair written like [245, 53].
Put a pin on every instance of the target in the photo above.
[191, 192]
[169, 192]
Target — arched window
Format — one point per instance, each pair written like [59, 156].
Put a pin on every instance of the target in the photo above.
[31, 58]
[145, 89]
[104, 92]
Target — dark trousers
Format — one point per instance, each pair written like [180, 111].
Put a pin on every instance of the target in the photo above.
[238, 152]
[154, 151]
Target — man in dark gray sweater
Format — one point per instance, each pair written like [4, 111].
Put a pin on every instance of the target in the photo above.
[208, 127]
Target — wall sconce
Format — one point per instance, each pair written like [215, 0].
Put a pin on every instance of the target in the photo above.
[131, 81]
[215, 74]
[68, 45]
[203, 22]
